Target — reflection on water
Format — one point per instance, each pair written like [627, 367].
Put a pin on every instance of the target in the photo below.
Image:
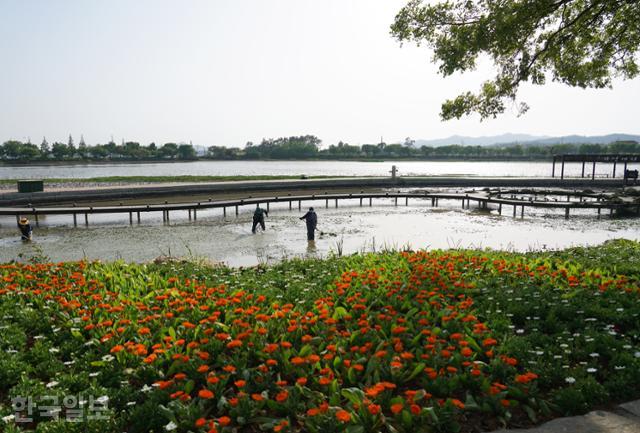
[347, 229]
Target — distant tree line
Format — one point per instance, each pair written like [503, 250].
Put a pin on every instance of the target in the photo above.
[296, 147]
[18, 151]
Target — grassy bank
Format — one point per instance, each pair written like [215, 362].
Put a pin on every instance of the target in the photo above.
[394, 342]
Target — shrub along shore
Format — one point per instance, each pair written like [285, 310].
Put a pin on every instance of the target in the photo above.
[419, 341]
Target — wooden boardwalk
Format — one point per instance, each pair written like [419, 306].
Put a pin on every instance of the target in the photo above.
[517, 205]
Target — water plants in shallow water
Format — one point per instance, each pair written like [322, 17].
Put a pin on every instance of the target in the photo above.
[393, 342]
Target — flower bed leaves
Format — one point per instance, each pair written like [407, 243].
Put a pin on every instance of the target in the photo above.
[395, 342]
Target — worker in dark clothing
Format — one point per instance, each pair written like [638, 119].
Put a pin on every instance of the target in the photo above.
[258, 218]
[25, 229]
[312, 221]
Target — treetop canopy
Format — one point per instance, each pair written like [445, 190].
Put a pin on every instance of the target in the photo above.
[584, 43]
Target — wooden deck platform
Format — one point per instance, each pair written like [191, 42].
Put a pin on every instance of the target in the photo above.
[598, 202]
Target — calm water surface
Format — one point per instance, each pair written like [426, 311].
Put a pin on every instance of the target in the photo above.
[296, 168]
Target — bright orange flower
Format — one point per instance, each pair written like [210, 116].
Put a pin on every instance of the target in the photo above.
[489, 342]
[526, 378]
[282, 396]
[296, 360]
[233, 344]
[224, 421]
[373, 409]
[457, 403]
[396, 408]
[205, 393]
[324, 381]
[343, 416]
[415, 409]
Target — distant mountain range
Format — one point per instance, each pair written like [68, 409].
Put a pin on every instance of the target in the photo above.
[526, 139]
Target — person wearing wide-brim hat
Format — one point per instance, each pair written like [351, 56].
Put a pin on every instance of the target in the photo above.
[25, 229]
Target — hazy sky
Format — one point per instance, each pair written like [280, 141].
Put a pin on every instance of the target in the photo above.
[227, 71]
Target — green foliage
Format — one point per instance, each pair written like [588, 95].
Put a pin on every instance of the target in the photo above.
[580, 397]
[304, 147]
[578, 43]
[449, 336]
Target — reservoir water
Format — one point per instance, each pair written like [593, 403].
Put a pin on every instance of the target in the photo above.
[297, 168]
[348, 228]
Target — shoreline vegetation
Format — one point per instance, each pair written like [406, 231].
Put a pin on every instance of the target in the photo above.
[393, 341]
[305, 147]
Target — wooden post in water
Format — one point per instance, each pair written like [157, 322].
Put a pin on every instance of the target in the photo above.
[189, 210]
[289, 204]
[224, 211]
[566, 212]
[326, 204]
[75, 220]
[336, 203]
[562, 170]
[614, 168]
[593, 171]
[599, 209]
[370, 200]
[195, 213]
[299, 205]
[395, 202]
[86, 219]
[500, 209]
[583, 162]
[406, 201]
[236, 210]
[138, 216]
[514, 210]
[360, 201]
[522, 212]
[130, 218]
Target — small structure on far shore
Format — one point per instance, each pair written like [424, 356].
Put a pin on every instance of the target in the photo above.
[394, 172]
[608, 158]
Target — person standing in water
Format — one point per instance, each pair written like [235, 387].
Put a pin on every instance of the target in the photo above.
[312, 221]
[25, 229]
[258, 218]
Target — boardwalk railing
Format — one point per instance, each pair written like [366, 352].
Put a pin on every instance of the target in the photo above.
[586, 201]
